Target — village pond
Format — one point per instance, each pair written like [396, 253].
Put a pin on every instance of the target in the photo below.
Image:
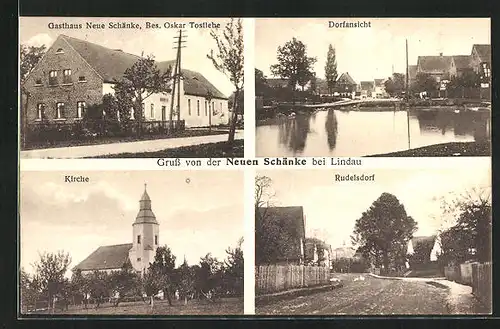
[335, 132]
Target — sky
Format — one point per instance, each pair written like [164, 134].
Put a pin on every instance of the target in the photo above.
[332, 208]
[370, 53]
[198, 212]
[34, 31]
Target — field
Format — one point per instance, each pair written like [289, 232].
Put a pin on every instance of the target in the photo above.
[225, 306]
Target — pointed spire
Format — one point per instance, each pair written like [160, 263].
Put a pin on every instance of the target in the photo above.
[145, 214]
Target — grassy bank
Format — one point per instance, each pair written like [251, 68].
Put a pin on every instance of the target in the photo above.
[122, 139]
[445, 149]
[210, 150]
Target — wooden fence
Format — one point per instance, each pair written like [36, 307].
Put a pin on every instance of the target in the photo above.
[274, 278]
[482, 282]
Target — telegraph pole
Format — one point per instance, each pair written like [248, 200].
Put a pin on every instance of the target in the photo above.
[177, 79]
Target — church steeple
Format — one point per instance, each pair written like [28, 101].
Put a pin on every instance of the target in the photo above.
[145, 214]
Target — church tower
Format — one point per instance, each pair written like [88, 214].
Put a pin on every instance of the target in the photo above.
[145, 235]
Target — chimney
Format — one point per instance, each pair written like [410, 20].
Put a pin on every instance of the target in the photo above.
[441, 54]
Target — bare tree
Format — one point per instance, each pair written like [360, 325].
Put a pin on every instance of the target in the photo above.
[228, 59]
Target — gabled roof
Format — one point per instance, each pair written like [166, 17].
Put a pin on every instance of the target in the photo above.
[483, 51]
[346, 78]
[366, 85]
[412, 72]
[426, 242]
[194, 83]
[379, 82]
[461, 61]
[111, 64]
[105, 258]
[434, 64]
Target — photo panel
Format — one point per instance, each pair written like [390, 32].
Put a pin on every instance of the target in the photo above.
[374, 241]
[104, 87]
[135, 243]
[373, 87]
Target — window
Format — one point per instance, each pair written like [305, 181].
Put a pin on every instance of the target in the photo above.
[189, 107]
[38, 82]
[213, 107]
[132, 117]
[52, 78]
[156, 239]
[163, 112]
[82, 78]
[60, 111]
[60, 51]
[220, 107]
[206, 106]
[152, 110]
[198, 107]
[80, 109]
[486, 70]
[40, 111]
[67, 76]
[138, 239]
[138, 259]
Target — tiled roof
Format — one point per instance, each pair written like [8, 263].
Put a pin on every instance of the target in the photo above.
[426, 241]
[106, 257]
[379, 82]
[111, 64]
[484, 52]
[366, 85]
[434, 64]
[277, 82]
[346, 78]
[412, 72]
[461, 61]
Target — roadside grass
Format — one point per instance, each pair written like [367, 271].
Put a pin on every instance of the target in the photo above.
[195, 132]
[209, 150]
[444, 150]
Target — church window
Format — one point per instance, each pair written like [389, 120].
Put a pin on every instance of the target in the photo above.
[156, 239]
[198, 107]
[138, 239]
[189, 107]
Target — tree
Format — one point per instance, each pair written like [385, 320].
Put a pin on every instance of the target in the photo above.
[331, 69]
[123, 282]
[395, 85]
[30, 290]
[261, 85]
[139, 82]
[229, 60]
[163, 267]
[99, 286]
[383, 229]
[469, 79]
[234, 269]
[470, 237]
[29, 56]
[424, 83]
[152, 283]
[294, 64]
[186, 283]
[50, 270]
[208, 276]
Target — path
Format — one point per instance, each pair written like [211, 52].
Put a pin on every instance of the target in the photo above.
[373, 296]
[125, 147]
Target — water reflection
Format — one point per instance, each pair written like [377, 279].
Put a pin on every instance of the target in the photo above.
[358, 133]
[331, 129]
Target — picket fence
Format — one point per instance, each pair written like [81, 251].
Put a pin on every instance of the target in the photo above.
[274, 278]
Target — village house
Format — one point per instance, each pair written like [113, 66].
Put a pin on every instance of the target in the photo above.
[74, 74]
[379, 88]
[367, 88]
[291, 221]
[428, 247]
[345, 84]
[140, 253]
[481, 61]
[318, 252]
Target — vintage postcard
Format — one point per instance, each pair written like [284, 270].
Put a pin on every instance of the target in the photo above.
[131, 87]
[131, 243]
[373, 86]
[374, 241]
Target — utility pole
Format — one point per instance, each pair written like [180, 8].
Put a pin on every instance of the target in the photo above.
[407, 96]
[177, 80]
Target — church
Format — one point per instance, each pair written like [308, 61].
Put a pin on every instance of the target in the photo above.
[140, 253]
